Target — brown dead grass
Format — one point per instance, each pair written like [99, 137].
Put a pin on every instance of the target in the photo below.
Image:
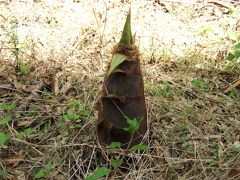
[193, 126]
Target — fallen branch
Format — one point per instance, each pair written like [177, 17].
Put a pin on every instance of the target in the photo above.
[221, 4]
[234, 85]
[17, 159]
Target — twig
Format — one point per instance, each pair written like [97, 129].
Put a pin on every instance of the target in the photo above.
[234, 85]
[222, 4]
[3, 17]
[15, 160]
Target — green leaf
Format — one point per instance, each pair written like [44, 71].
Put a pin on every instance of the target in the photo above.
[44, 172]
[5, 120]
[114, 145]
[98, 173]
[134, 125]
[70, 115]
[3, 138]
[140, 147]
[127, 39]
[39, 174]
[28, 131]
[236, 147]
[85, 112]
[116, 60]
[21, 135]
[73, 104]
[48, 168]
[231, 11]
[116, 163]
[2, 172]
[8, 106]
[230, 57]
[237, 54]
[237, 46]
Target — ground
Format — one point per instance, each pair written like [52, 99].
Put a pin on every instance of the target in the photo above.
[53, 60]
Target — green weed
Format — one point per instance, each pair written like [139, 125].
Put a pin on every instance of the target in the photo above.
[44, 172]
[200, 85]
[160, 55]
[5, 120]
[233, 59]
[187, 111]
[3, 138]
[22, 68]
[214, 149]
[47, 94]
[164, 90]
[75, 113]
[115, 145]
[116, 163]
[98, 173]
[8, 106]
[133, 126]
[2, 172]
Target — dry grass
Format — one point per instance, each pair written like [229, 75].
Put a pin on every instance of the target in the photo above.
[52, 90]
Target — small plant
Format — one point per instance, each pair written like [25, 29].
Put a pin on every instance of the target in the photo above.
[115, 145]
[25, 133]
[8, 106]
[233, 58]
[98, 173]
[3, 138]
[233, 93]
[14, 39]
[79, 109]
[116, 163]
[2, 172]
[71, 115]
[155, 90]
[164, 90]
[214, 149]
[165, 54]
[44, 172]
[5, 120]
[47, 94]
[22, 68]
[187, 111]
[167, 90]
[236, 147]
[75, 113]
[133, 126]
[160, 55]
[199, 85]
[140, 147]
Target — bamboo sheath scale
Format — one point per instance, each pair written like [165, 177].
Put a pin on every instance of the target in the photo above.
[122, 94]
